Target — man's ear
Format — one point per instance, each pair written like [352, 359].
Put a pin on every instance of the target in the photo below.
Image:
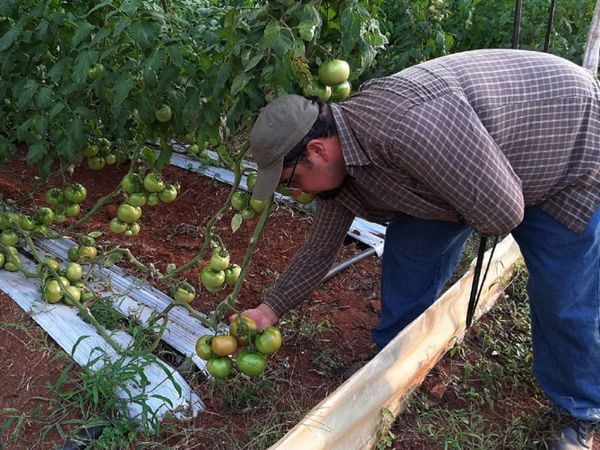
[316, 148]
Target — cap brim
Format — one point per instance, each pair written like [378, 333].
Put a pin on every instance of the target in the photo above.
[267, 181]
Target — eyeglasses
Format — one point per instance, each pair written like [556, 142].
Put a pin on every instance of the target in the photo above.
[288, 183]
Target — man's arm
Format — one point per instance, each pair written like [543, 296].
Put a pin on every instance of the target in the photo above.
[309, 265]
[445, 146]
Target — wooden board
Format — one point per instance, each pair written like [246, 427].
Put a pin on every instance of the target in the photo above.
[350, 417]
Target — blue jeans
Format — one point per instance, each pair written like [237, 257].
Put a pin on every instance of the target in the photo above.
[564, 271]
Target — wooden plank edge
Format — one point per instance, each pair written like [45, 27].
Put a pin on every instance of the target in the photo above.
[351, 416]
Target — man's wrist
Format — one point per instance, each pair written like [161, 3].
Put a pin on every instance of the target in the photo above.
[268, 312]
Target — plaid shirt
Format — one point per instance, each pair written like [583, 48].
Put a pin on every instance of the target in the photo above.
[478, 135]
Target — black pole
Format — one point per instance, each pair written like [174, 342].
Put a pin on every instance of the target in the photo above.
[517, 23]
[550, 23]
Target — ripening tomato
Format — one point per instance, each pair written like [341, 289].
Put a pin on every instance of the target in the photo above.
[244, 329]
[268, 341]
[87, 252]
[251, 363]
[224, 344]
[219, 367]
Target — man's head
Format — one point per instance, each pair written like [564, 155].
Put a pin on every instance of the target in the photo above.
[295, 139]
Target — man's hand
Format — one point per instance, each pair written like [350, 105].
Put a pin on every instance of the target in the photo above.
[263, 315]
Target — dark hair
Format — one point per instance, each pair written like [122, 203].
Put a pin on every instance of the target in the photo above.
[324, 126]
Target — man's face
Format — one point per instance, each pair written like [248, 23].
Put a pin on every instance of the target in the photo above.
[324, 170]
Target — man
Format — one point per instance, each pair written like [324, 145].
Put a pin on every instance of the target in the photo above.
[495, 141]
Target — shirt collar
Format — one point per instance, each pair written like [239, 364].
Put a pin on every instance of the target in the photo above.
[353, 153]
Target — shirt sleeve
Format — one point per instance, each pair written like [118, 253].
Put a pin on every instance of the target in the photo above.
[311, 263]
[445, 146]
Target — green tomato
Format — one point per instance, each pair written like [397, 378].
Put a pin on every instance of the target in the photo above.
[184, 295]
[26, 222]
[96, 162]
[134, 229]
[334, 72]
[76, 193]
[239, 200]
[60, 218]
[153, 199]
[110, 159]
[153, 182]
[73, 253]
[118, 227]
[219, 259]
[2, 260]
[131, 183]
[211, 278]
[12, 266]
[44, 215]
[303, 198]
[251, 179]
[91, 150]
[129, 214]
[95, 71]
[137, 199]
[251, 363]
[247, 213]
[258, 205]
[87, 252]
[194, 149]
[55, 197]
[50, 262]
[75, 292]
[72, 209]
[168, 194]
[219, 367]
[52, 291]
[232, 273]
[74, 272]
[341, 91]
[163, 114]
[318, 89]
[9, 238]
[203, 347]
[268, 341]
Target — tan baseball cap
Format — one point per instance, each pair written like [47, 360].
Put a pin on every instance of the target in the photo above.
[279, 127]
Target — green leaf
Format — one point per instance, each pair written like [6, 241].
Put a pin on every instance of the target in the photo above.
[112, 259]
[270, 35]
[83, 30]
[9, 37]
[123, 86]
[56, 109]
[36, 152]
[45, 97]
[150, 155]
[27, 93]
[225, 156]
[239, 82]
[253, 62]
[81, 67]
[175, 54]
[236, 222]
[350, 21]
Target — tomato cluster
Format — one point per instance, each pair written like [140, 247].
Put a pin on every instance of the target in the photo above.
[99, 154]
[332, 82]
[149, 190]
[219, 272]
[66, 203]
[243, 203]
[84, 252]
[67, 286]
[257, 344]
